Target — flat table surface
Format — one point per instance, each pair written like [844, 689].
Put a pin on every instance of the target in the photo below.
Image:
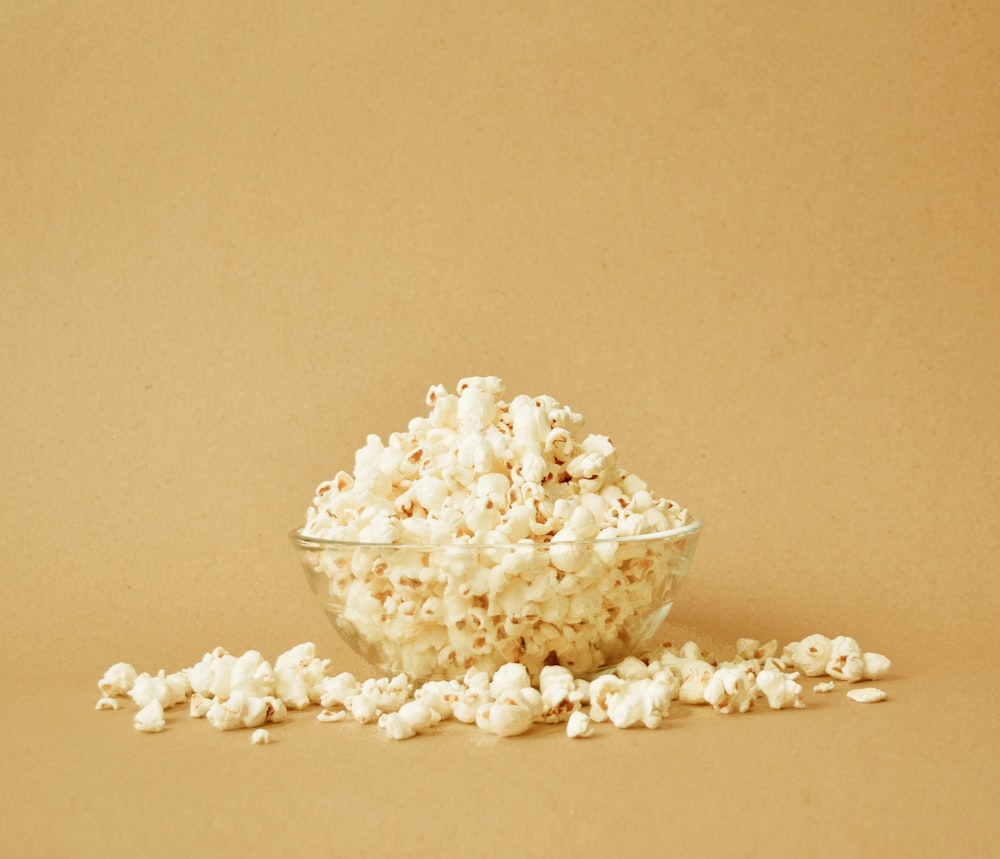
[754, 245]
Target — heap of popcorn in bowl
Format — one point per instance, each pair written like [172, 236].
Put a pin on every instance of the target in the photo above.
[491, 532]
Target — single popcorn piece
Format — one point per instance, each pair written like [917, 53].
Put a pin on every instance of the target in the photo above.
[868, 695]
[107, 704]
[825, 686]
[331, 715]
[846, 660]
[780, 689]
[117, 680]
[150, 718]
[579, 725]
[731, 690]
[811, 655]
[512, 713]
[876, 666]
[260, 737]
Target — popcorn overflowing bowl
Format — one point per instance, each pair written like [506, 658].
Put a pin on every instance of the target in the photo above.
[490, 532]
[436, 611]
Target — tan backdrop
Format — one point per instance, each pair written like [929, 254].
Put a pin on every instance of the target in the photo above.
[754, 244]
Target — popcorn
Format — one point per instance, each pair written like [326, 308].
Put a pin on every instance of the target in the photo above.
[241, 710]
[331, 716]
[579, 725]
[730, 690]
[413, 718]
[260, 737]
[869, 695]
[168, 690]
[875, 666]
[512, 713]
[841, 658]
[505, 702]
[780, 689]
[846, 662]
[484, 473]
[298, 676]
[117, 680]
[811, 655]
[149, 719]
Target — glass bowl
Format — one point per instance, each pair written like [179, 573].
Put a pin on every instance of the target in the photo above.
[436, 611]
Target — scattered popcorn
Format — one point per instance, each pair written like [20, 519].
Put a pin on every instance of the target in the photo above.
[506, 702]
[869, 695]
[260, 737]
[149, 719]
[579, 725]
[841, 658]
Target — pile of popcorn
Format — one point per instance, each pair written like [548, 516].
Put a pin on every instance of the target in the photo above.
[247, 691]
[529, 535]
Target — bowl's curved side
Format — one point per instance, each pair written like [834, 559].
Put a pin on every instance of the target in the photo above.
[437, 612]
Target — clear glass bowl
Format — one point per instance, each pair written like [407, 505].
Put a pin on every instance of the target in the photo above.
[434, 612]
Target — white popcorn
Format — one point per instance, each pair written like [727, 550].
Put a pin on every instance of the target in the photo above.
[579, 725]
[780, 689]
[252, 674]
[846, 660]
[260, 737]
[299, 675]
[512, 675]
[512, 713]
[107, 703]
[811, 655]
[694, 676]
[117, 680]
[413, 718]
[210, 677]
[868, 695]
[241, 710]
[562, 694]
[632, 668]
[150, 719]
[601, 690]
[339, 689]
[331, 715]
[826, 686]
[642, 701]
[199, 705]
[731, 690]
[875, 666]
[487, 473]
[441, 695]
[167, 689]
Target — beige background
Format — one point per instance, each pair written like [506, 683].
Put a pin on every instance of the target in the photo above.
[754, 243]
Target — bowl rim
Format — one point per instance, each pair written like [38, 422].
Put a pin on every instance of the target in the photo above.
[306, 541]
